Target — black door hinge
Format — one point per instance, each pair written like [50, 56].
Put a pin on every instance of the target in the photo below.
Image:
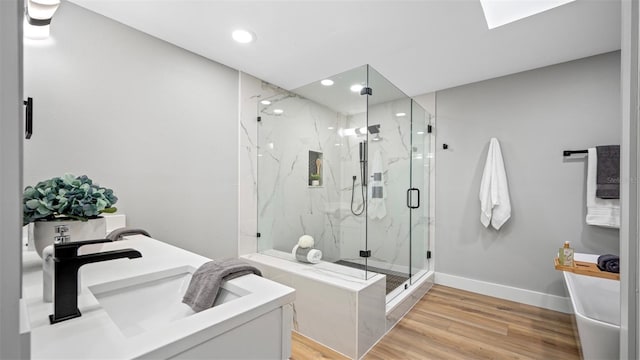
[429, 129]
[428, 254]
[258, 235]
[259, 118]
[366, 91]
[365, 253]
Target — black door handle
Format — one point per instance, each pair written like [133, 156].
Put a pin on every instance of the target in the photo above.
[409, 198]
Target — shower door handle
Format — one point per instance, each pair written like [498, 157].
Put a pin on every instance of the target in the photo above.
[410, 198]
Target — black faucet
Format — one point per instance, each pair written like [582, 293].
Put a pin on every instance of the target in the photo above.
[67, 263]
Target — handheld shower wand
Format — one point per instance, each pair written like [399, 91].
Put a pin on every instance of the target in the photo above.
[363, 180]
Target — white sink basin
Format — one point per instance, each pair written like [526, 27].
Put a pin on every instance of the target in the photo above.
[150, 301]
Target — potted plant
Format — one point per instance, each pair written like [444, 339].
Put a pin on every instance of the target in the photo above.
[74, 202]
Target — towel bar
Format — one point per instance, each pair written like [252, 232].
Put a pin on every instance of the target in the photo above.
[571, 152]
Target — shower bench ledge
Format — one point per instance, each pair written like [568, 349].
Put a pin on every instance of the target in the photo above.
[335, 305]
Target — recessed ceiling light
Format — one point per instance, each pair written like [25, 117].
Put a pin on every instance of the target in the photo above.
[501, 12]
[420, 132]
[356, 88]
[401, 114]
[278, 111]
[243, 36]
[330, 128]
[326, 82]
[265, 102]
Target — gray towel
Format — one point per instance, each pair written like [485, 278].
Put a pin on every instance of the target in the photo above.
[301, 254]
[610, 263]
[205, 283]
[608, 173]
[118, 233]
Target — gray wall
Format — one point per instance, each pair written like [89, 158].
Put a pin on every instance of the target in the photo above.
[12, 344]
[535, 115]
[154, 122]
[629, 189]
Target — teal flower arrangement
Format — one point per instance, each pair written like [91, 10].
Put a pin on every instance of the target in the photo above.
[74, 197]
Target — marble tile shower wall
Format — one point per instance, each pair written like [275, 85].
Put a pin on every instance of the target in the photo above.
[288, 206]
[252, 90]
[387, 238]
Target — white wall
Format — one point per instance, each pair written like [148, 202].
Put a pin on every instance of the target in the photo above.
[535, 115]
[150, 120]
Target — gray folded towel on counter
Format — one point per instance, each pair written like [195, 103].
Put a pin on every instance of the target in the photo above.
[608, 172]
[609, 263]
[205, 282]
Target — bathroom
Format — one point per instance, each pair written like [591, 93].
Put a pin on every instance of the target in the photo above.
[176, 135]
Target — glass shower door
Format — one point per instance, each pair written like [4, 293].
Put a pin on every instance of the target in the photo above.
[418, 194]
[389, 162]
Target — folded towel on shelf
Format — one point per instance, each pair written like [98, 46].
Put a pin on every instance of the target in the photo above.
[495, 205]
[205, 282]
[600, 212]
[608, 176]
[307, 255]
[609, 263]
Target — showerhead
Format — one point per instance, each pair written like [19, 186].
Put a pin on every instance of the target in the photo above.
[374, 129]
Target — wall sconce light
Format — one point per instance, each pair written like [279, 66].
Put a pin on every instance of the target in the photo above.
[37, 18]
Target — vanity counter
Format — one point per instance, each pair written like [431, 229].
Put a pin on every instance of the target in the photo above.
[96, 335]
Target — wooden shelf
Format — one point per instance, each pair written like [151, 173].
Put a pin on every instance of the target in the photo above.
[586, 268]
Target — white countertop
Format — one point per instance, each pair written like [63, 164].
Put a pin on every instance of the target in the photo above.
[95, 335]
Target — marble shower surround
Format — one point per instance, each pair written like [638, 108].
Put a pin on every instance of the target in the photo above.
[287, 206]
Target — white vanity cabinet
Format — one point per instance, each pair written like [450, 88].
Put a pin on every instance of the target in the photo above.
[132, 309]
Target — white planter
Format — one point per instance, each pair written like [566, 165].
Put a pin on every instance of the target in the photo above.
[44, 232]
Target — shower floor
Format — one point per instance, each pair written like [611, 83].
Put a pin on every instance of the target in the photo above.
[394, 278]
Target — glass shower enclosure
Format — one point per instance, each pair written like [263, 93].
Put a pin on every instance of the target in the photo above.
[346, 161]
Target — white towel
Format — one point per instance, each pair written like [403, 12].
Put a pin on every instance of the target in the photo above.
[600, 212]
[495, 205]
[377, 193]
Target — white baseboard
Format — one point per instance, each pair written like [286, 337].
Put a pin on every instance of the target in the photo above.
[547, 301]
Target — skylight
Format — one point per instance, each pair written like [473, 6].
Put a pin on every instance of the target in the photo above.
[501, 12]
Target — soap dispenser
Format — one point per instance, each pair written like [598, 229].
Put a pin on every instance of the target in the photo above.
[565, 255]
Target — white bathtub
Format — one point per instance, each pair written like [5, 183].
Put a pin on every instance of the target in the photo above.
[596, 304]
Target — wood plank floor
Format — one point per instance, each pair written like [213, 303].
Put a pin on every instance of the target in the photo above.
[449, 323]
